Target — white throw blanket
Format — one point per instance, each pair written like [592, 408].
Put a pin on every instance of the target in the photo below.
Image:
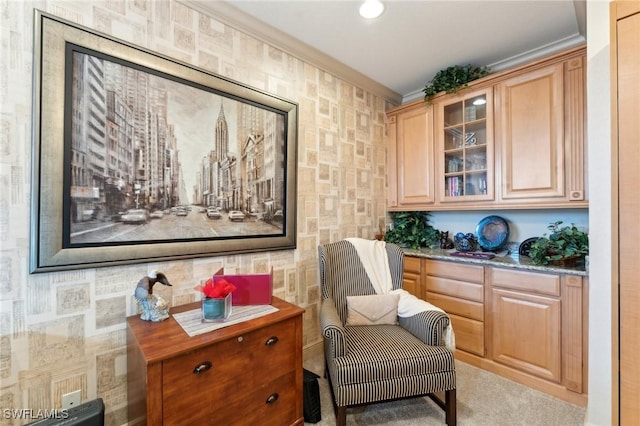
[373, 256]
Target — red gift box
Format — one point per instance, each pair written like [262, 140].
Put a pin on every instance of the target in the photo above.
[251, 289]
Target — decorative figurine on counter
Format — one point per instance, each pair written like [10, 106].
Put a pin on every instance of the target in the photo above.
[465, 242]
[445, 241]
[154, 308]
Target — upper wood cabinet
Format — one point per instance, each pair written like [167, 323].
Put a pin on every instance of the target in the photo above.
[524, 148]
[410, 168]
[464, 141]
[540, 135]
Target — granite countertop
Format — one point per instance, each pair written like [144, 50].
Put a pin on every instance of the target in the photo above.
[513, 261]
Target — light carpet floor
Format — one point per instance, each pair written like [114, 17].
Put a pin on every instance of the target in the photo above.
[483, 398]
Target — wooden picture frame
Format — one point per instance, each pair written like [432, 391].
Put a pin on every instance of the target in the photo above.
[138, 157]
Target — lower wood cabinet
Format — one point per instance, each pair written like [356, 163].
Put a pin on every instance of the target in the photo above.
[248, 373]
[538, 351]
[554, 308]
[528, 326]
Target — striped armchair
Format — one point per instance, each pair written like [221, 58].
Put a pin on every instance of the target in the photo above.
[368, 364]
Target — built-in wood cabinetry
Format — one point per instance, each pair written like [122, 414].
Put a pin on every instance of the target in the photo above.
[553, 306]
[625, 62]
[540, 134]
[532, 109]
[410, 133]
[464, 146]
[528, 326]
[524, 148]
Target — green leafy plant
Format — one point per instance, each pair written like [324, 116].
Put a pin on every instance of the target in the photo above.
[563, 243]
[412, 230]
[451, 79]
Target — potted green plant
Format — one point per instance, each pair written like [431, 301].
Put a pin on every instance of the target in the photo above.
[451, 79]
[564, 246]
[412, 230]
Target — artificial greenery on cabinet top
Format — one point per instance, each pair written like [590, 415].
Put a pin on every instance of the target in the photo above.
[412, 230]
[562, 244]
[451, 79]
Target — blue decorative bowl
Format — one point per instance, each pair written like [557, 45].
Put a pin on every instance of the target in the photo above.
[493, 233]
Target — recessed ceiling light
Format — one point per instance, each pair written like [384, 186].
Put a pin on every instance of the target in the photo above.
[480, 101]
[371, 9]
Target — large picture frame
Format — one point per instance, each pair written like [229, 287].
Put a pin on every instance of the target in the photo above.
[138, 157]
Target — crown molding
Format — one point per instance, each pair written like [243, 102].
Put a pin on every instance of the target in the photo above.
[539, 52]
[520, 59]
[236, 18]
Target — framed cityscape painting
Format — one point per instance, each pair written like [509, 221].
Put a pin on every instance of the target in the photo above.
[138, 157]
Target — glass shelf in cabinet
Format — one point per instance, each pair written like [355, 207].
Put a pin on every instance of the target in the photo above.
[453, 137]
[475, 108]
[475, 134]
[453, 114]
[454, 186]
[475, 183]
[454, 162]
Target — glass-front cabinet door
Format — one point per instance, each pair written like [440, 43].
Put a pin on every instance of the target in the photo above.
[464, 134]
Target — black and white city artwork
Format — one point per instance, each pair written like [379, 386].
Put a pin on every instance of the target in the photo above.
[153, 158]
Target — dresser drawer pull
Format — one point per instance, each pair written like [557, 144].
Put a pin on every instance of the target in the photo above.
[272, 398]
[202, 367]
[271, 341]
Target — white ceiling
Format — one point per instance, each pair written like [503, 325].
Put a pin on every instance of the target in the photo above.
[405, 47]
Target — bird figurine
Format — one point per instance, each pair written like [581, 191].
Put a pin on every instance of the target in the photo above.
[154, 308]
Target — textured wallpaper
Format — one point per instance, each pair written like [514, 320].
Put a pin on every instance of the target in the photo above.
[66, 330]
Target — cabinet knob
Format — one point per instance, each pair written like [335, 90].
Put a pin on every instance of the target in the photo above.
[271, 341]
[272, 398]
[202, 367]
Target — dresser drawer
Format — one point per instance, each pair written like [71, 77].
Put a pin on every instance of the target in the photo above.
[455, 271]
[453, 305]
[262, 403]
[235, 366]
[449, 287]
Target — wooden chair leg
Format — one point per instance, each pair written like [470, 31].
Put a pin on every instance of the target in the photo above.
[450, 407]
[341, 416]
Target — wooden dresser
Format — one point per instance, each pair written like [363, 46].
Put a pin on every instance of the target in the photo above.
[247, 373]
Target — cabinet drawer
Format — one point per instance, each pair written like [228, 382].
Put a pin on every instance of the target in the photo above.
[469, 334]
[453, 305]
[237, 365]
[411, 277]
[456, 271]
[261, 403]
[412, 264]
[464, 290]
[526, 281]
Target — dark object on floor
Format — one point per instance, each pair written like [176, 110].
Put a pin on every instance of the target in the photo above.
[88, 414]
[311, 397]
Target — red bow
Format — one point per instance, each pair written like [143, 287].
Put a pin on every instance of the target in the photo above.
[215, 288]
